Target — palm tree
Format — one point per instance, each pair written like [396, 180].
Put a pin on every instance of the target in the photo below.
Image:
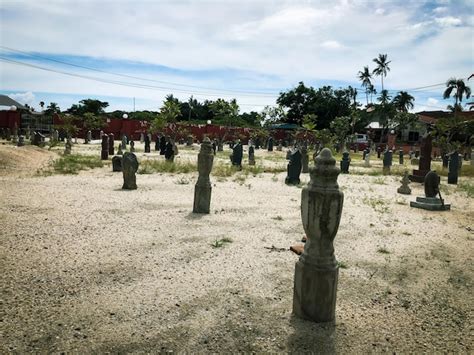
[403, 101]
[460, 89]
[364, 77]
[382, 66]
[372, 91]
[384, 98]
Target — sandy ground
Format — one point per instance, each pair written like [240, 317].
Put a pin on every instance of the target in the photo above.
[90, 268]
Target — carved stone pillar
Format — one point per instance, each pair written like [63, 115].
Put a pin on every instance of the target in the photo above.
[203, 188]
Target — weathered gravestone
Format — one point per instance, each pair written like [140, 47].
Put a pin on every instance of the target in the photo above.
[237, 155]
[157, 143]
[2, 133]
[405, 189]
[304, 159]
[367, 159]
[132, 146]
[119, 150]
[453, 172]
[129, 169]
[257, 143]
[8, 135]
[279, 146]
[68, 146]
[117, 163]
[169, 151]
[460, 162]
[189, 140]
[104, 154]
[387, 162]
[316, 272]
[294, 168]
[379, 151]
[251, 155]
[162, 145]
[111, 144]
[203, 188]
[345, 162]
[445, 160]
[147, 143]
[142, 137]
[214, 146]
[89, 137]
[270, 144]
[36, 139]
[425, 159]
[400, 157]
[21, 141]
[124, 142]
[431, 202]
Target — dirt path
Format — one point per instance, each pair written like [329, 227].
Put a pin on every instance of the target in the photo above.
[90, 268]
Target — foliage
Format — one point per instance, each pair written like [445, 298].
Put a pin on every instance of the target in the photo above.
[382, 66]
[92, 122]
[403, 101]
[52, 109]
[325, 103]
[96, 107]
[69, 125]
[341, 127]
[272, 115]
[458, 88]
[365, 77]
[218, 243]
[164, 166]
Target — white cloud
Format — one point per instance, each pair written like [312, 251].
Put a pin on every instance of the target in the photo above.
[432, 101]
[24, 98]
[331, 45]
[448, 21]
[440, 10]
[379, 11]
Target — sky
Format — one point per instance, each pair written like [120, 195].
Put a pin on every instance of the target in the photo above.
[134, 53]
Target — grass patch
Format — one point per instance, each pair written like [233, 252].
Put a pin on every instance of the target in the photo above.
[342, 265]
[73, 163]
[378, 204]
[218, 243]
[163, 166]
[467, 188]
[379, 181]
[383, 250]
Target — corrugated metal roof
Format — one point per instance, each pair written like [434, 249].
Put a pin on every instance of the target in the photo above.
[8, 101]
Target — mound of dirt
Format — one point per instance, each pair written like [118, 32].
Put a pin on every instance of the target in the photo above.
[23, 161]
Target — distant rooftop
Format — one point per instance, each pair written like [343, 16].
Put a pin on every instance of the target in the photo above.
[8, 101]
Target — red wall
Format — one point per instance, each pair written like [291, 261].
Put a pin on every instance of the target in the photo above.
[8, 119]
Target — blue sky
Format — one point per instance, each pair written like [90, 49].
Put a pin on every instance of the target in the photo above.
[248, 50]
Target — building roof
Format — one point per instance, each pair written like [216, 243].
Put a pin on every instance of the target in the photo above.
[285, 126]
[8, 101]
[431, 117]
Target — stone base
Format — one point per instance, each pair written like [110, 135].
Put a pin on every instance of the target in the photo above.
[290, 181]
[452, 179]
[404, 190]
[314, 293]
[202, 199]
[418, 175]
[430, 204]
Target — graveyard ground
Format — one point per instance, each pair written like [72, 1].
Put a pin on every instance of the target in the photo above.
[88, 267]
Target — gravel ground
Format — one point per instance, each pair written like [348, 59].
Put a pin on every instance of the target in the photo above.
[89, 268]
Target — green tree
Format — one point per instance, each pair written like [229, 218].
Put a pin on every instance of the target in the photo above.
[93, 122]
[95, 107]
[341, 127]
[169, 112]
[273, 115]
[52, 108]
[403, 101]
[69, 124]
[458, 88]
[365, 78]
[382, 66]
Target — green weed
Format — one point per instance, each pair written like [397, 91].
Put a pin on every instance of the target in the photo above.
[218, 243]
[73, 163]
[163, 166]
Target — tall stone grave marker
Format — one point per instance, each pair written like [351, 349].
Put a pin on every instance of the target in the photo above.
[119, 150]
[111, 144]
[387, 162]
[68, 146]
[316, 272]
[162, 145]
[237, 154]
[453, 172]
[425, 159]
[367, 159]
[117, 163]
[124, 142]
[88, 137]
[270, 144]
[132, 146]
[304, 159]
[203, 188]
[251, 155]
[147, 143]
[104, 154]
[129, 169]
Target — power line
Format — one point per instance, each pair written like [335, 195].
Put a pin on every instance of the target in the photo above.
[267, 94]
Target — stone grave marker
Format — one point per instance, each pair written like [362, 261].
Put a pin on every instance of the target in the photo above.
[21, 141]
[129, 170]
[124, 142]
[117, 163]
[119, 149]
[203, 188]
[251, 155]
[425, 159]
[147, 143]
[111, 144]
[400, 157]
[387, 162]
[169, 151]
[294, 168]
[431, 202]
[317, 270]
[453, 172]
[237, 155]
[162, 145]
[405, 189]
[104, 154]
[304, 159]
[345, 162]
[270, 144]
[132, 146]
